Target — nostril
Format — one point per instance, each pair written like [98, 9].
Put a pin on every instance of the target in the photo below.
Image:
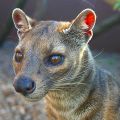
[30, 87]
[24, 85]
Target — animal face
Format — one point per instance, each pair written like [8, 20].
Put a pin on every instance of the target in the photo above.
[49, 52]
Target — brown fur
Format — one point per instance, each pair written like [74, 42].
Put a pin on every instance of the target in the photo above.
[76, 89]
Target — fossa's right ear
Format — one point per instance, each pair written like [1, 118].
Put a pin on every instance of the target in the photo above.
[21, 21]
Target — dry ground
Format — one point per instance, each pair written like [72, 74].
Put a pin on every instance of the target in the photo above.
[13, 107]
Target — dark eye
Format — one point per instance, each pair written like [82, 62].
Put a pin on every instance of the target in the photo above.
[18, 56]
[55, 59]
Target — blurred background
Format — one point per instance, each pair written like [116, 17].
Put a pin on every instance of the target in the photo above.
[105, 45]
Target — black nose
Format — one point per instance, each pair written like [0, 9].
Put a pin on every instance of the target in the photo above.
[24, 85]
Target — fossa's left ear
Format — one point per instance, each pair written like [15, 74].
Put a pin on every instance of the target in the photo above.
[84, 23]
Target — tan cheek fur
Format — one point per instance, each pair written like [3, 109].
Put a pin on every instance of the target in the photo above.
[17, 67]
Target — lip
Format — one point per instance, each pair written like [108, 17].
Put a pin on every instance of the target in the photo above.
[31, 99]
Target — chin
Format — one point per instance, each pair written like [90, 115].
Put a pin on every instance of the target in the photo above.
[34, 97]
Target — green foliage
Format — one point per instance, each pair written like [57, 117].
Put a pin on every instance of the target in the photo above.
[117, 5]
[114, 3]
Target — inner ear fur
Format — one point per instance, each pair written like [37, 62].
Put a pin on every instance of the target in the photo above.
[85, 20]
[21, 21]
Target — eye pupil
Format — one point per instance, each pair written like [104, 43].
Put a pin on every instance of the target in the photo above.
[55, 59]
[18, 56]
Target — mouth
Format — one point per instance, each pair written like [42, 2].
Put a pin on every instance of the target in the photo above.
[33, 97]
[29, 99]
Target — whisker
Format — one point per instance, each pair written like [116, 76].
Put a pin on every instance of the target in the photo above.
[69, 84]
[98, 54]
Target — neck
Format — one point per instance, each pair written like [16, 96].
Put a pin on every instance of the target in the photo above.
[75, 99]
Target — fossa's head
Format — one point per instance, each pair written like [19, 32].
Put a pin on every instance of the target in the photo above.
[48, 52]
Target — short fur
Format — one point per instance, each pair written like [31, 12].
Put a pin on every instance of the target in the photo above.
[75, 90]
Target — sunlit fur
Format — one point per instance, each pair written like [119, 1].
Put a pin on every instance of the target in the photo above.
[75, 90]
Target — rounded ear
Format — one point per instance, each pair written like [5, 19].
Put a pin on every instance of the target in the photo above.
[21, 21]
[84, 23]
[85, 20]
